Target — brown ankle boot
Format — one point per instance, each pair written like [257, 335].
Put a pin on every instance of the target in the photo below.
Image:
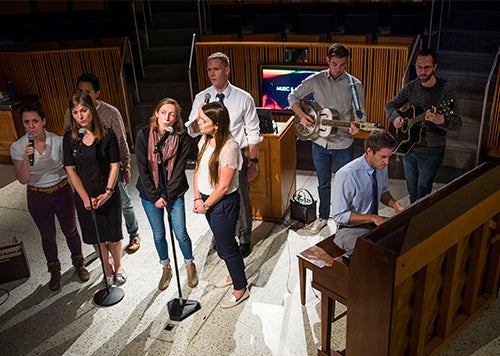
[55, 275]
[79, 264]
[192, 275]
[166, 276]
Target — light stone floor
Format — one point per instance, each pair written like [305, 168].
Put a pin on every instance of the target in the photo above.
[36, 321]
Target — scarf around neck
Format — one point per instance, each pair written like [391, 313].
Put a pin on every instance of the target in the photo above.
[169, 154]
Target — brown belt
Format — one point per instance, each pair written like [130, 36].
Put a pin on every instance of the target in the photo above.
[51, 189]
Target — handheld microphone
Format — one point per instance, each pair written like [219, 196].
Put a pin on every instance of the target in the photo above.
[31, 157]
[81, 133]
[159, 145]
[207, 98]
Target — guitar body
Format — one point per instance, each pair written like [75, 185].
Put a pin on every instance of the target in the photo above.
[326, 122]
[414, 123]
[411, 132]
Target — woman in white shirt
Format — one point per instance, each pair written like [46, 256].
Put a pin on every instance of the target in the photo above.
[37, 159]
[216, 194]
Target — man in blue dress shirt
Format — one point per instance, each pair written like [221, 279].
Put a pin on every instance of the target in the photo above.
[359, 186]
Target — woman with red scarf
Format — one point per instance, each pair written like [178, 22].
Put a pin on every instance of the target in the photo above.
[162, 183]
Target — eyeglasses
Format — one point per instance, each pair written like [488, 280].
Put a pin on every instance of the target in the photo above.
[426, 68]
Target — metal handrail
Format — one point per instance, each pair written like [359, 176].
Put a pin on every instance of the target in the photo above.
[127, 46]
[138, 38]
[485, 104]
[191, 55]
[417, 44]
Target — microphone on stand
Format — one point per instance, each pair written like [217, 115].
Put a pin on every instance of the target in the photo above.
[159, 145]
[207, 98]
[31, 141]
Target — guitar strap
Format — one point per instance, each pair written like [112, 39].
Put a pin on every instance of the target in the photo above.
[355, 100]
[436, 92]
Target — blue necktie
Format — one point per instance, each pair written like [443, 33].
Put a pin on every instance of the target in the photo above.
[374, 193]
[220, 96]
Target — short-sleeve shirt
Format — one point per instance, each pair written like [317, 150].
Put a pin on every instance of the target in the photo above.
[47, 169]
[230, 156]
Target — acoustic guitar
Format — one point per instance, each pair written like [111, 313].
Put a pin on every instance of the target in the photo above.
[414, 123]
[324, 122]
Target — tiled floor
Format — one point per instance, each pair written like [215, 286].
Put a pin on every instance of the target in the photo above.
[36, 321]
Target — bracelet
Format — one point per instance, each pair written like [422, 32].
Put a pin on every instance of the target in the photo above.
[254, 160]
[197, 199]
[110, 190]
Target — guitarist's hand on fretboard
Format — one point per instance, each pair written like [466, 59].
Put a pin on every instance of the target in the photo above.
[432, 116]
[353, 130]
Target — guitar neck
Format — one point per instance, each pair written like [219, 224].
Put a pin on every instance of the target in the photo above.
[366, 126]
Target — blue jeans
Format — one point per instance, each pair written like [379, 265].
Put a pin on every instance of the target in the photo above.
[420, 172]
[327, 162]
[128, 209]
[157, 222]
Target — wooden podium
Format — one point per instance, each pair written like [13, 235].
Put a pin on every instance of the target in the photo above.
[270, 194]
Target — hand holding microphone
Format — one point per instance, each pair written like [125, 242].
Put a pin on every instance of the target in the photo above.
[31, 143]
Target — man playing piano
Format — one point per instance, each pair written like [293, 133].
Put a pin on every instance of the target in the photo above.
[358, 188]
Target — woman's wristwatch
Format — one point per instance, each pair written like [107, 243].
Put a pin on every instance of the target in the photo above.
[206, 206]
[254, 160]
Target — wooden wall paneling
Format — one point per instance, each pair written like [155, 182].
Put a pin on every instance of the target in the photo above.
[372, 64]
[493, 143]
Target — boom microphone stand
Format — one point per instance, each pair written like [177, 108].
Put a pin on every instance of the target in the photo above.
[109, 295]
[178, 308]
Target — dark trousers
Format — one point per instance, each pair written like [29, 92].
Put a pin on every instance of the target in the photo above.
[44, 207]
[222, 218]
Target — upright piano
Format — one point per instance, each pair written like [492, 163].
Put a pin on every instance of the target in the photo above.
[417, 280]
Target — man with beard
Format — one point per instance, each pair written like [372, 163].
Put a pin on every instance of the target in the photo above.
[358, 188]
[428, 93]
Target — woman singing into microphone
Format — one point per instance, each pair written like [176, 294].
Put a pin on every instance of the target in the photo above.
[92, 164]
[161, 151]
[39, 164]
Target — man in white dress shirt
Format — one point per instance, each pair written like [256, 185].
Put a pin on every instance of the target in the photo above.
[244, 128]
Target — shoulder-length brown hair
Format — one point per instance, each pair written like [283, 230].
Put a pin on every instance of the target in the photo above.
[96, 126]
[219, 115]
[178, 124]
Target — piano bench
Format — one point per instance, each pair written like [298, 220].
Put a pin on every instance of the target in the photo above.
[314, 258]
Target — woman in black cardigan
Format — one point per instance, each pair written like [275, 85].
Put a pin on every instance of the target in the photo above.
[162, 183]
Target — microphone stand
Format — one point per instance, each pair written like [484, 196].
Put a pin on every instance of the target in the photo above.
[178, 308]
[109, 295]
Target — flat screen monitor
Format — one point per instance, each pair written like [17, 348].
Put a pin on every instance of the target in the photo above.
[277, 81]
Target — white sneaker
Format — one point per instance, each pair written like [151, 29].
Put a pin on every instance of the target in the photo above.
[317, 225]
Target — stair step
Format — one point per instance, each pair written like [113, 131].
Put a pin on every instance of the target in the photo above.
[157, 90]
[172, 37]
[166, 55]
[465, 61]
[163, 73]
[175, 20]
[475, 19]
[473, 41]
[466, 83]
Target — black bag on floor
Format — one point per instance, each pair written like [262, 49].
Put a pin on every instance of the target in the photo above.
[13, 262]
[303, 206]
